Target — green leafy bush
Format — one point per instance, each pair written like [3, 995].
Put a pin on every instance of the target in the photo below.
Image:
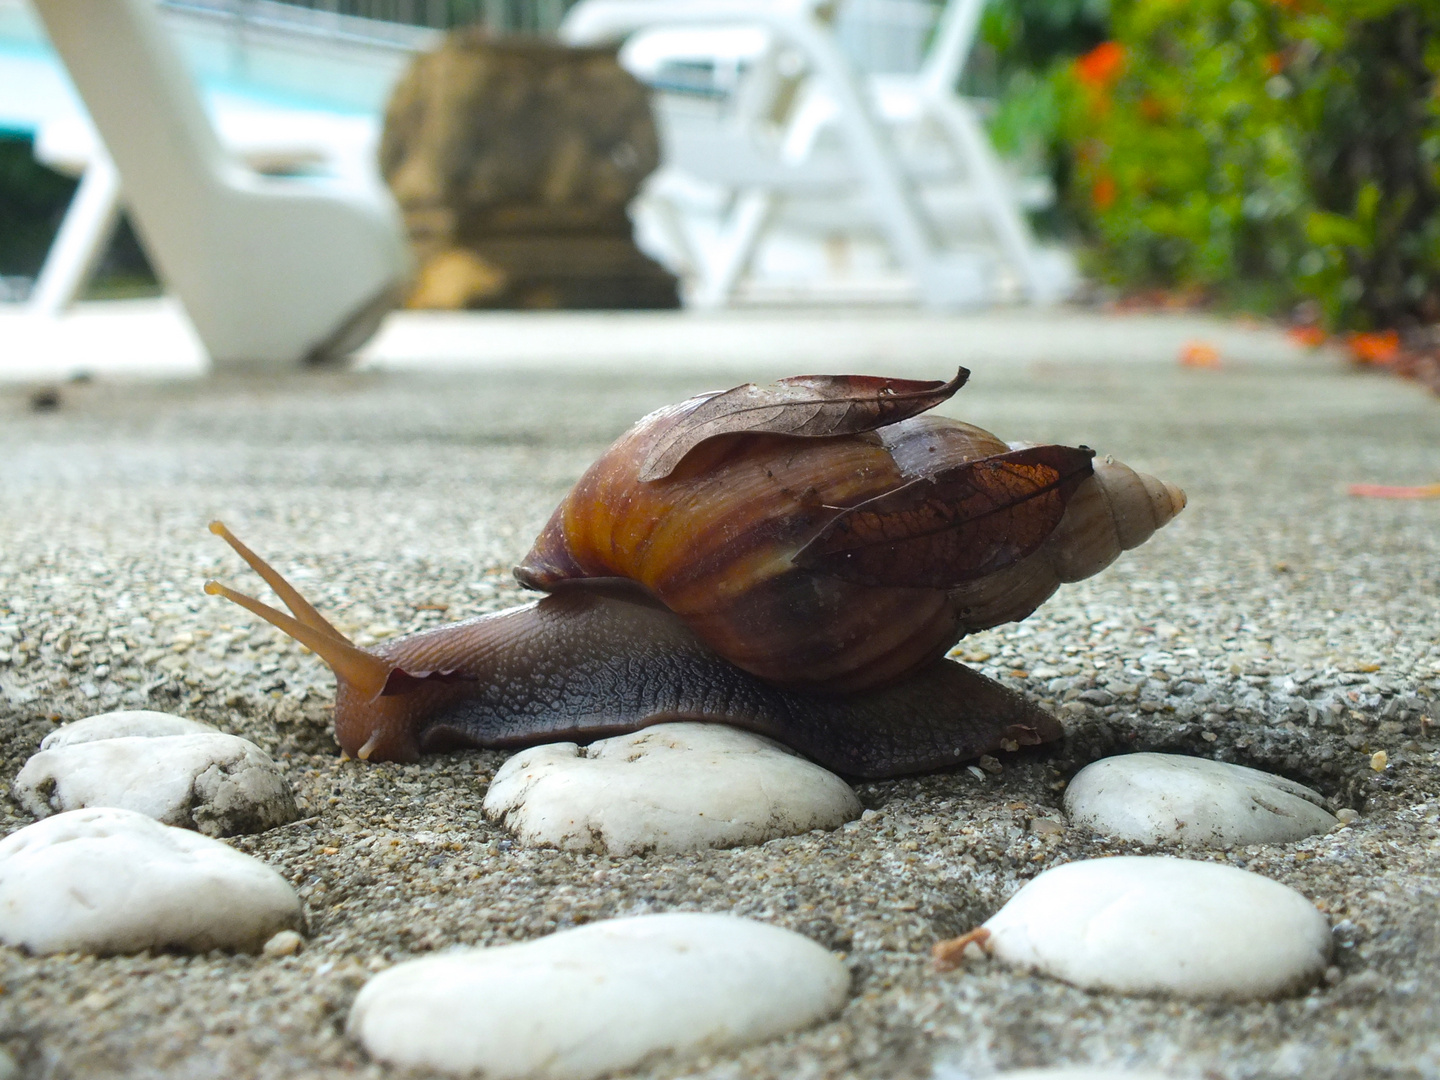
[1265, 152]
[1020, 63]
[32, 201]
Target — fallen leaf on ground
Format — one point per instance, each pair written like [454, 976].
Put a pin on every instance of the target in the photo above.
[1199, 354]
[1378, 347]
[1389, 491]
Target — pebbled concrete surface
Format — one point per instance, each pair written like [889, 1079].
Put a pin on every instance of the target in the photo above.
[1278, 623]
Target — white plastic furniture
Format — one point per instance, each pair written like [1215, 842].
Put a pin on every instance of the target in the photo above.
[806, 141]
[270, 269]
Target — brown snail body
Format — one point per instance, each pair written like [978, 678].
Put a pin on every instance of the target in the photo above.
[794, 559]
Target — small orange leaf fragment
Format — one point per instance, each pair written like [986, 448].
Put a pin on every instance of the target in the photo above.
[1311, 337]
[1199, 354]
[1389, 491]
[1379, 347]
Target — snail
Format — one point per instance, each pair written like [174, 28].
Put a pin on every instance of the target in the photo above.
[795, 559]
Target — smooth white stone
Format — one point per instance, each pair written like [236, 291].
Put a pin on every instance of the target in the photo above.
[666, 789]
[599, 998]
[1087, 1072]
[221, 785]
[123, 724]
[1173, 799]
[115, 881]
[1159, 925]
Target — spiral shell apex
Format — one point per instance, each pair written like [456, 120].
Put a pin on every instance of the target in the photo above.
[820, 533]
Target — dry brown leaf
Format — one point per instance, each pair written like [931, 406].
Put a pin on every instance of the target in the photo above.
[956, 526]
[809, 406]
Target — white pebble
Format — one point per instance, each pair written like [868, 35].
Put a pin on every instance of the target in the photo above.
[1158, 925]
[1173, 799]
[114, 881]
[123, 724]
[221, 785]
[666, 789]
[1081, 1072]
[599, 998]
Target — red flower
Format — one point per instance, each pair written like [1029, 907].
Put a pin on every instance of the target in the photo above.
[1310, 337]
[1101, 66]
[1104, 191]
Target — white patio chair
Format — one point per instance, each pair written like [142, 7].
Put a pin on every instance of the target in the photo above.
[828, 149]
[270, 269]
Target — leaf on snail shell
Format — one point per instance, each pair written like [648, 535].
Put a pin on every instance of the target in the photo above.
[959, 525]
[809, 406]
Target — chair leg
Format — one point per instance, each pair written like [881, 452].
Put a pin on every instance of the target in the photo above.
[86, 229]
[1012, 231]
[734, 248]
[656, 207]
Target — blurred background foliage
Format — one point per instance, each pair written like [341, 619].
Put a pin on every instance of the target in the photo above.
[1278, 156]
[33, 200]
[1022, 63]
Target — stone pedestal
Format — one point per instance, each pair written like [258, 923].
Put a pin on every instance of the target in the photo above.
[513, 161]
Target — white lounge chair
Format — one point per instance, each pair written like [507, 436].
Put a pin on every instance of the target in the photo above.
[270, 269]
[805, 142]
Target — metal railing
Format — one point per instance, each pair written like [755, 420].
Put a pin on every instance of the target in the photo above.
[881, 35]
[878, 35]
[499, 16]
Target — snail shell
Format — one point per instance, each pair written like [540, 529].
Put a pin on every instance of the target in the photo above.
[728, 539]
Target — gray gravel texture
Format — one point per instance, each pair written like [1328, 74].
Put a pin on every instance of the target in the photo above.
[1277, 624]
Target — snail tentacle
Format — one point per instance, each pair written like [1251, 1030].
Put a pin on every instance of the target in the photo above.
[291, 596]
[350, 663]
[366, 673]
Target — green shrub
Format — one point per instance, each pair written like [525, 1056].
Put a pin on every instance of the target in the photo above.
[32, 202]
[1024, 50]
[1265, 152]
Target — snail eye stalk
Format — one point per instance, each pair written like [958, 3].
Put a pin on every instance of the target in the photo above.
[363, 671]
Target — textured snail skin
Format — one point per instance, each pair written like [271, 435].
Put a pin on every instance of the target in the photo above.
[588, 663]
